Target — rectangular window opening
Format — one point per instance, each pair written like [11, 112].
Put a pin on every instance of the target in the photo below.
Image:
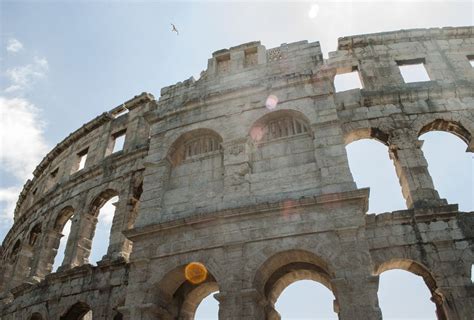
[348, 81]
[118, 141]
[413, 70]
[81, 159]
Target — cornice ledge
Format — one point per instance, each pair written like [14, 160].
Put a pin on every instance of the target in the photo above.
[358, 194]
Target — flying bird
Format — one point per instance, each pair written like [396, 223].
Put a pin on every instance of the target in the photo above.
[174, 29]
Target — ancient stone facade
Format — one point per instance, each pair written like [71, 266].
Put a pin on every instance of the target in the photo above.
[245, 171]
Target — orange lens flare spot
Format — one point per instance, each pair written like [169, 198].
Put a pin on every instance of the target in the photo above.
[195, 272]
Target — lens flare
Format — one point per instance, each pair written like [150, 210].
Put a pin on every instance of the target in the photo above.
[257, 133]
[195, 272]
[271, 102]
[288, 206]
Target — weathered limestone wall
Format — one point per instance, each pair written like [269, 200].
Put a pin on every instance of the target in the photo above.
[262, 196]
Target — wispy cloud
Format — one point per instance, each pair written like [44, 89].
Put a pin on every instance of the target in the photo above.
[22, 146]
[14, 45]
[8, 198]
[22, 77]
[22, 143]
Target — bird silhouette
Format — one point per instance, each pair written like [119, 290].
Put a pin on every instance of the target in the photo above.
[174, 29]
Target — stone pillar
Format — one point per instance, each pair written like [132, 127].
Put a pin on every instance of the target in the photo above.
[22, 266]
[357, 298]
[412, 170]
[331, 157]
[79, 243]
[44, 260]
[155, 182]
[118, 243]
[271, 313]
[237, 170]
[457, 302]
[241, 304]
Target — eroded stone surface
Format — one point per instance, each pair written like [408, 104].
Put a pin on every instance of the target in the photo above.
[261, 194]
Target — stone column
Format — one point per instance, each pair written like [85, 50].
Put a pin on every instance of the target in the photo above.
[412, 170]
[331, 157]
[237, 170]
[457, 302]
[357, 298]
[241, 304]
[44, 260]
[155, 182]
[22, 265]
[79, 243]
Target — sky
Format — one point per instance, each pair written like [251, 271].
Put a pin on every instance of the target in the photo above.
[64, 62]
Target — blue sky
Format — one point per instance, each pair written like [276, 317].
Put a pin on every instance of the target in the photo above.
[64, 62]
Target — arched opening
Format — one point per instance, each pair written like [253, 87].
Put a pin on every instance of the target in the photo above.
[371, 166]
[299, 269]
[181, 296]
[79, 311]
[34, 235]
[207, 307]
[450, 166]
[196, 171]
[408, 290]
[282, 142]
[306, 299]
[103, 208]
[62, 226]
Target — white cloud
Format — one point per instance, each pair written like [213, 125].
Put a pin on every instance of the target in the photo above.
[23, 77]
[14, 45]
[22, 144]
[8, 198]
[107, 212]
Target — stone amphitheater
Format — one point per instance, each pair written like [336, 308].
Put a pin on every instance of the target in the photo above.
[245, 171]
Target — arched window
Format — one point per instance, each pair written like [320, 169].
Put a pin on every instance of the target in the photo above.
[306, 299]
[62, 226]
[282, 142]
[181, 291]
[196, 172]
[282, 127]
[371, 166]
[419, 300]
[79, 311]
[202, 145]
[444, 147]
[301, 270]
[194, 145]
[34, 234]
[279, 124]
[103, 207]
[208, 308]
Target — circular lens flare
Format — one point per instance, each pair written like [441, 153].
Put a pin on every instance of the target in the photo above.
[271, 102]
[195, 272]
